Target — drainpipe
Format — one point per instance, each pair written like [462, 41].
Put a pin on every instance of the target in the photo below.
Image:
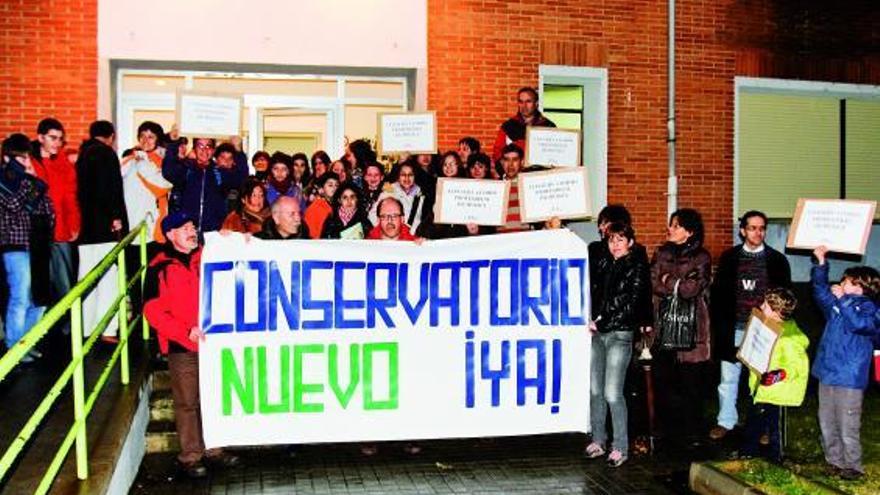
[672, 180]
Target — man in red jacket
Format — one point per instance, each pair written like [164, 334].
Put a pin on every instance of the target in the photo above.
[53, 167]
[173, 310]
[513, 130]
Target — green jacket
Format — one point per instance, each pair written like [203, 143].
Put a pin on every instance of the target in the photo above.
[790, 354]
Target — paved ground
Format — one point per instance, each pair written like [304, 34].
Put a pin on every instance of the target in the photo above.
[545, 464]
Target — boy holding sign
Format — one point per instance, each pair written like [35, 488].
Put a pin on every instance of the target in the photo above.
[843, 360]
[784, 383]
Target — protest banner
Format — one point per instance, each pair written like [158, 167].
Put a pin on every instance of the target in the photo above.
[477, 201]
[336, 341]
[208, 114]
[407, 132]
[843, 225]
[561, 193]
[553, 146]
[758, 342]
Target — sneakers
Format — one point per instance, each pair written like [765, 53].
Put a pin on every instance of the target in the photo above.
[718, 432]
[851, 474]
[616, 459]
[594, 451]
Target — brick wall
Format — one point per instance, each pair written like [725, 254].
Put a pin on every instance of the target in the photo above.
[481, 51]
[48, 65]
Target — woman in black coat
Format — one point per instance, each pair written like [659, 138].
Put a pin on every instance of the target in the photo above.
[618, 289]
[349, 218]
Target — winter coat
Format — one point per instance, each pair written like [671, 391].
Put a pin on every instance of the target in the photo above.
[334, 227]
[245, 222]
[60, 175]
[513, 130]
[598, 251]
[846, 347]
[690, 265]
[201, 192]
[270, 232]
[100, 194]
[619, 290]
[172, 305]
[790, 354]
[405, 234]
[723, 299]
[22, 198]
[315, 215]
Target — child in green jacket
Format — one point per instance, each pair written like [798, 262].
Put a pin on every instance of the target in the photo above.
[785, 384]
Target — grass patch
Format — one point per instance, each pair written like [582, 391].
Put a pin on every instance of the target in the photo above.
[805, 461]
[771, 479]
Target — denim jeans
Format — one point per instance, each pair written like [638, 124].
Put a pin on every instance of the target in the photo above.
[728, 387]
[21, 314]
[610, 357]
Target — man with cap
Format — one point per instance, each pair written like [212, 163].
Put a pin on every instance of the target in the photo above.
[172, 308]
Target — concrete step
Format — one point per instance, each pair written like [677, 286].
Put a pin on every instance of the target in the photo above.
[159, 442]
[161, 380]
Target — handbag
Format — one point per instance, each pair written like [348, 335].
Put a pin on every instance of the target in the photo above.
[677, 322]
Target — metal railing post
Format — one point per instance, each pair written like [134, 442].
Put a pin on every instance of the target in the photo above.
[122, 313]
[79, 395]
[145, 327]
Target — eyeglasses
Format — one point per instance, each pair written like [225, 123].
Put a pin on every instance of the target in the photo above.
[390, 217]
[204, 146]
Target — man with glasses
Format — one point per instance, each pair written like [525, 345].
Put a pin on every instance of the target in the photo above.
[390, 226]
[745, 272]
[513, 130]
[201, 186]
[53, 167]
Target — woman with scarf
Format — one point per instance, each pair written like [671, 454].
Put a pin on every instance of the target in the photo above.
[280, 180]
[349, 218]
[252, 210]
[409, 194]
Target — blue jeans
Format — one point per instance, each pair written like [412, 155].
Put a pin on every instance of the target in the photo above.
[21, 314]
[728, 388]
[610, 357]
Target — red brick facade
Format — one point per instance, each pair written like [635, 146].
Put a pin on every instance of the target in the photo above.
[49, 65]
[481, 51]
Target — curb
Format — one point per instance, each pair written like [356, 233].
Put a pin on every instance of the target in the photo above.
[706, 479]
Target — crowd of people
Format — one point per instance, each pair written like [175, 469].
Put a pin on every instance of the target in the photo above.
[54, 198]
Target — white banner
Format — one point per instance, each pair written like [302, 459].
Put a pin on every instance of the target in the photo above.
[333, 341]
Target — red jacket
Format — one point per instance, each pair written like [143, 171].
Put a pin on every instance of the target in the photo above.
[174, 310]
[405, 234]
[513, 130]
[60, 175]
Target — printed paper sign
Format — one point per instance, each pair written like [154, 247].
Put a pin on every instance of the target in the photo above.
[464, 201]
[407, 133]
[562, 193]
[553, 146]
[336, 341]
[758, 342]
[842, 225]
[208, 114]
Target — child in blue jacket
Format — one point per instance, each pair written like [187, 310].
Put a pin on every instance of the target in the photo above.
[843, 360]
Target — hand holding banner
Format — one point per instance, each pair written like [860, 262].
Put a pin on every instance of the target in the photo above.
[407, 133]
[206, 114]
[758, 342]
[558, 193]
[464, 201]
[328, 341]
[839, 224]
[552, 146]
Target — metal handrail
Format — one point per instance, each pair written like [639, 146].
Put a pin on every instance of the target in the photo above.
[82, 405]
